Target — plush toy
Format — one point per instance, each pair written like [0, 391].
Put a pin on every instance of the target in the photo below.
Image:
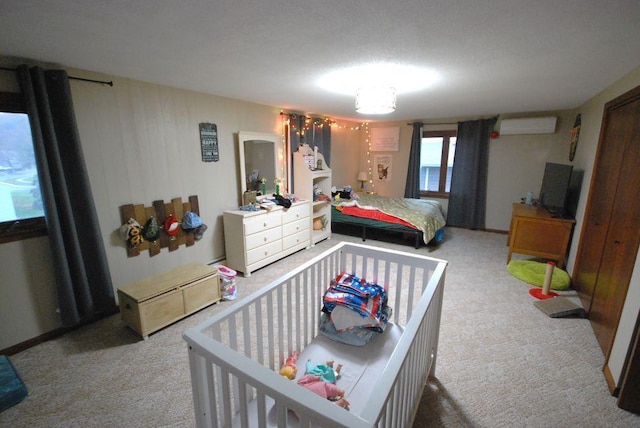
[289, 369]
[324, 389]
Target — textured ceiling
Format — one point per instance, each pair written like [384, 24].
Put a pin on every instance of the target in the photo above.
[491, 56]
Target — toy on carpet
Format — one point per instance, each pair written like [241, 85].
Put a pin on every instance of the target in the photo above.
[289, 369]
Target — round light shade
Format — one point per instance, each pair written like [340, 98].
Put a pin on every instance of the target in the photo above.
[376, 100]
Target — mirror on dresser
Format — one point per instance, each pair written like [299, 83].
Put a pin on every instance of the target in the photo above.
[261, 162]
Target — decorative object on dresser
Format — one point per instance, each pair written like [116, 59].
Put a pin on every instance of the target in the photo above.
[153, 303]
[254, 239]
[314, 184]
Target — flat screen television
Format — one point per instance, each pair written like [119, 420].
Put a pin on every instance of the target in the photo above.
[555, 188]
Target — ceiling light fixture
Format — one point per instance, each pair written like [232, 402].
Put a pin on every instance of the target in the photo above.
[376, 100]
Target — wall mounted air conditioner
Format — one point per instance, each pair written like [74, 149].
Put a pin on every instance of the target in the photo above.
[528, 125]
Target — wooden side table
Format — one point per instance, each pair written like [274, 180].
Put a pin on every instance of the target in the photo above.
[536, 232]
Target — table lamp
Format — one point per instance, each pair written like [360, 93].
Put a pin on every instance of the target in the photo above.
[362, 177]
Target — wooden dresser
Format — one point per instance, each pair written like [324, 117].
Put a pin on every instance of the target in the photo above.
[254, 239]
[536, 232]
[153, 303]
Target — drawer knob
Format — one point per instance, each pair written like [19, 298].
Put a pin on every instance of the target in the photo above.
[265, 239]
[264, 224]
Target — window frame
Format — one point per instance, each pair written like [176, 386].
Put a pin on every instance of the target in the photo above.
[444, 157]
[17, 230]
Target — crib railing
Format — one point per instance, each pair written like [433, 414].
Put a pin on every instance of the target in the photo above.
[234, 356]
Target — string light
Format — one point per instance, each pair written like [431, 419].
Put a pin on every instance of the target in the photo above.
[367, 139]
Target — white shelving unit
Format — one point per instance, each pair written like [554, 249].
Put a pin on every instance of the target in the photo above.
[305, 177]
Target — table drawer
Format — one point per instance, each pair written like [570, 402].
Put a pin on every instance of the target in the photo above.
[264, 251]
[296, 239]
[262, 238]
[295, 213]
[296, 227]
[261, 223]
[201, 293]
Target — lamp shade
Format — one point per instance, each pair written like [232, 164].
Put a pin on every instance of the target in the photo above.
[376, 100]
[362, 176]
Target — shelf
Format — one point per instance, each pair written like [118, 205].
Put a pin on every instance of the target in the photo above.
[304, 182]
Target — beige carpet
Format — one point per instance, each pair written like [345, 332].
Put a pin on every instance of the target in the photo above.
[501, 361]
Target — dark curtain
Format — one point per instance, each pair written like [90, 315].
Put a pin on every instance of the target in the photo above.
[468, 193]
[316, 133]
[83, 280]
[412, 189]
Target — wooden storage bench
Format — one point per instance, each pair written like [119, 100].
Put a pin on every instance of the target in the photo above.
[153, 303]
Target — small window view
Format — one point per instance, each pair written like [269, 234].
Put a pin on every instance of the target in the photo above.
[431, 163]
[19, 187]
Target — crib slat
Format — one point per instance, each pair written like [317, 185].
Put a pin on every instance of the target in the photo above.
[262, 410]
[260, 333]
[270, 332]
[244, 409]
[225, 399]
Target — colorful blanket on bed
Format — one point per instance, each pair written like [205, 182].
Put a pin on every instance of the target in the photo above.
[424, 214]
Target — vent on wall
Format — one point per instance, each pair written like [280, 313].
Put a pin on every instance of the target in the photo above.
[528, 125]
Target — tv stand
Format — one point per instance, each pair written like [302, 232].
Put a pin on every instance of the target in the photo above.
[537, 232]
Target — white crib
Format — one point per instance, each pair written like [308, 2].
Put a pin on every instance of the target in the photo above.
[235, 356]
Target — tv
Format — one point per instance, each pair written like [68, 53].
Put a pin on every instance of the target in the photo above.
[555, 188]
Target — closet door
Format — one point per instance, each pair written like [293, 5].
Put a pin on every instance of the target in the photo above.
[611, 229]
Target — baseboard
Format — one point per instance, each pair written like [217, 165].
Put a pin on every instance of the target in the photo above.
[610, 381]
[50, 335]
[19, 347]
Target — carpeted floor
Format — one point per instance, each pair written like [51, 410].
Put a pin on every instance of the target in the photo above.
[501, 362]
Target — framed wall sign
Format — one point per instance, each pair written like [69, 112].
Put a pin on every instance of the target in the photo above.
[385, 139]
[382, 167]
[209, 142]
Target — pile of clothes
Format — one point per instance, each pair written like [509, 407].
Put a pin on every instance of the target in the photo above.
[354, 310]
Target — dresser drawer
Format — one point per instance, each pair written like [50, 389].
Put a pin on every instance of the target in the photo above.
[262, 222]
[295, 213]
[262, 238]
[300, 238]
[257, 254]
[296, 227]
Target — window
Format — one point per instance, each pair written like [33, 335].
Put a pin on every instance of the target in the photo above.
[436, 162]
[21, 210]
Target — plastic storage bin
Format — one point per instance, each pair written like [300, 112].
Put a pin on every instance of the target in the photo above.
[228, 290]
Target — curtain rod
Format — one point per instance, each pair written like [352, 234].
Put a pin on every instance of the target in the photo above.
[436, 123]
[103, 82]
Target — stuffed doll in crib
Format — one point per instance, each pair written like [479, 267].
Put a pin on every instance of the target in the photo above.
[321, 379]
[289, 369]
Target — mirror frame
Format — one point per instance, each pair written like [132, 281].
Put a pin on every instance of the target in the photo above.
[278, 159]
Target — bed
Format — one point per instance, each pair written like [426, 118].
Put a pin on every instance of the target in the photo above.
[236, 355]
[422, 218]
